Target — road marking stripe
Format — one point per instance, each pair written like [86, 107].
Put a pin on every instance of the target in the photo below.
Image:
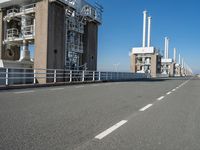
[173, 90]
[95, 85]
[55, 89]
[146, 107]
[160, 98]
[23, 92]
[79, 87]
[110, 130]
[169, 93]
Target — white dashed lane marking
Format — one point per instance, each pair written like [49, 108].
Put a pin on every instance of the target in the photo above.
[169, 93]
[146, 107]
[110, 130]
[160, 98]
[23, 92]
[173, 90]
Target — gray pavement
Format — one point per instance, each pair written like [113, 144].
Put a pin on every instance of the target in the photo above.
[70, 117]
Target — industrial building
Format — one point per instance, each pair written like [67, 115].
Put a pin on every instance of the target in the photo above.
[64, 34]
[170, 67]
[167, 63]
[146, 59]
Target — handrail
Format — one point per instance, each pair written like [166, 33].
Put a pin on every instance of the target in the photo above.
[10, 76]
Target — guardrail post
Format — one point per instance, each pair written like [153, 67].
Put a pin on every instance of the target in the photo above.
[99, 76]
[93, 79]
[34, 76]
[70, 76]
[55, 75]
[7, 79]
[83, 76]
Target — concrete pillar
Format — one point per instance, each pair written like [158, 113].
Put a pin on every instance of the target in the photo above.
[133, 63]
[25, 53]
[179, 71]
[154, 65]
[1, 34]
[90, 46]
[172, 70]
[41, 38]
[49, 37]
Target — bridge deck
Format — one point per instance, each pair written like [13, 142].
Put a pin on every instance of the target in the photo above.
[161, 114]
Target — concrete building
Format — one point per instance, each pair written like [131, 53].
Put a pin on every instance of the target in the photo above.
[146, 59]
[168, 64]
[64, 34]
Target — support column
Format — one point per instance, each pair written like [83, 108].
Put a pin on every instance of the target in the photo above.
[1, 34]
[90, 46]
[133, 63]
[154, 65]
[49, 37]
[172, 70]
[25, 53]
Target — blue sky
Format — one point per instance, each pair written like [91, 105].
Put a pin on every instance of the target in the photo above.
[122, 29]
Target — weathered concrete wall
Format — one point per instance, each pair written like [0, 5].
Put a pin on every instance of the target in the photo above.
[41, 36]
[90, 46]
[155, 65]
[133, 63]
[172, 69]
[1, 33]
[178, 71]
[56, 37]
[50, 37]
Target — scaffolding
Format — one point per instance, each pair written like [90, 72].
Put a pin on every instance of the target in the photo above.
[19, 27]
[25, 16]
[75, 24]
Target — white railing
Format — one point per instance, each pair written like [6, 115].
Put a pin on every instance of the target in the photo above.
[12, 33]
[29, 30]
[11, 76]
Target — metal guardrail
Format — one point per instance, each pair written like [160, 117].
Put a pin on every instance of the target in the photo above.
[12, 76]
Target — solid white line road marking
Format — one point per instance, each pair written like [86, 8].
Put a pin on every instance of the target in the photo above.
[79, 87]
[23, 92]
[55, 89]
[160, 98]
[169, 93]
[110, 130]
[95, 85]
[146, 107]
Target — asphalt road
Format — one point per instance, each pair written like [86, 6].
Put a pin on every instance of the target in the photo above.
[145, 115]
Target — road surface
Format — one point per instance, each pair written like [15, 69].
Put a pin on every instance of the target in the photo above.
[145, 115]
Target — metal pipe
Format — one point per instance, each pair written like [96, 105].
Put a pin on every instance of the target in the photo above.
[144, 28]
[175, 55]
[165, 55]
[167, 48]
[149, 31]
